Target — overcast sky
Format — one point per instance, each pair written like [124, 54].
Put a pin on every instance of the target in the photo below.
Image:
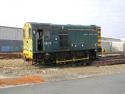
[109, 14]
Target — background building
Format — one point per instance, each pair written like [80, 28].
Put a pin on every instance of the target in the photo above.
[112, 45]
[11, 39]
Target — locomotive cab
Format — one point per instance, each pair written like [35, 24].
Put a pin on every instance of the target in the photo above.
[32, 37]
[33, 40]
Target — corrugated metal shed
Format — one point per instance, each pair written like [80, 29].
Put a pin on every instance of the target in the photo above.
[10, 33]
[107, 46]
[124, 48]
[117, 46]
[11, 45]
[113, 45]
[11, 39]
[105, 39]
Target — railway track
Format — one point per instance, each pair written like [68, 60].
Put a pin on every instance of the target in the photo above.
[110, 60]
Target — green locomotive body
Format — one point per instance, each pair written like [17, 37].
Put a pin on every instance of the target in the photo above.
[60, 43]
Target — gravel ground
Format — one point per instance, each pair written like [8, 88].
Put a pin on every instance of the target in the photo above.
[16, 68]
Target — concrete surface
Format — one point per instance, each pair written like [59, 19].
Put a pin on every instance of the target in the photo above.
[110, 84]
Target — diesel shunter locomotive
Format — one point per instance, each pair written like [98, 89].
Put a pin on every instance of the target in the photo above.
[52, 43]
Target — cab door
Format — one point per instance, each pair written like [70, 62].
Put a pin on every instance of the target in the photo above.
[39, 40]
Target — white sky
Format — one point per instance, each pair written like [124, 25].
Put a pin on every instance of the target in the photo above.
[109, 14]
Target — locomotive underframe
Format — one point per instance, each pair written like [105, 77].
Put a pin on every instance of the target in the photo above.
[64, 57]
